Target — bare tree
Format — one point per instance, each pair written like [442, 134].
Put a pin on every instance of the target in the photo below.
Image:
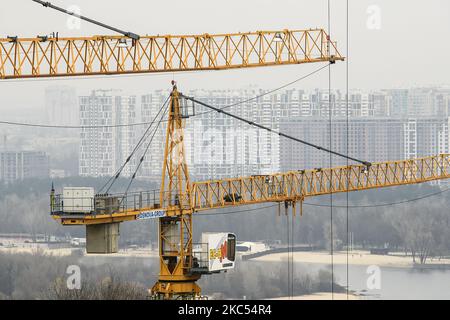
[109, 288]
[418, 228]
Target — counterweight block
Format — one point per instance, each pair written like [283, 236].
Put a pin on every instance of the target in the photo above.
[102, 238]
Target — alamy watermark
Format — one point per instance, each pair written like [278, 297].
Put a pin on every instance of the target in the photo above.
[74, 279]
[374, 280]
[373, 17]
[72, 22]
[226, 146]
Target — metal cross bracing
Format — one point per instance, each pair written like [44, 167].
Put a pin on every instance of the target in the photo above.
[288, 186]
[298, 185]
[178, 199]
[102, 55]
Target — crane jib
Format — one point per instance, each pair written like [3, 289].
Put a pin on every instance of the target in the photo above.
[111, 55]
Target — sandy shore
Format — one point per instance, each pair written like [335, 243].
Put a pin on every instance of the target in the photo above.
[364, 258]
[321, 296]
[354, 258]
[52, 252]
[134, 253]
[68, 251]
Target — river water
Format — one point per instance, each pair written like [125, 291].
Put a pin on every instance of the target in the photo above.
[393, 283]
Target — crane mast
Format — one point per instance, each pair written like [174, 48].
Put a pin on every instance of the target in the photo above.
[175, 230]
[179, 199]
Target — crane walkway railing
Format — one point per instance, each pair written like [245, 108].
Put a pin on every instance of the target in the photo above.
[290, 186]
[105, 204]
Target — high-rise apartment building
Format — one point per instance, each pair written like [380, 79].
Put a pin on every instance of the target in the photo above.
[399, 101]
[151, 105]
[19, 165]
[107, 139]
[369, 138]
[419, 102]
[126, 115]
[216, 145]
[381, 127]
[61, 106]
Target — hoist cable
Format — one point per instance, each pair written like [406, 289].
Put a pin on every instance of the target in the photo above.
[141, 160]
[330, 117]
[335, 206]
[47, 126]
[348, 148]
[281, 134]
[116, 175]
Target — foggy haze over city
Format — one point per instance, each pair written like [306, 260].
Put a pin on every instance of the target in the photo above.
[389, 124]
[400, 53]
[286, 174]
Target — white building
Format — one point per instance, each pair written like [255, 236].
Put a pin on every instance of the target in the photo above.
[218, 146]
[61, 105]
[222, 147]
[126, 134]
[153, 161]
[19, 165]
[371, 139]
[103, 150]
[444, 137]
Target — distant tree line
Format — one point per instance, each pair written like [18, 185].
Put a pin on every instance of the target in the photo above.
[419, 228]
[39, 276]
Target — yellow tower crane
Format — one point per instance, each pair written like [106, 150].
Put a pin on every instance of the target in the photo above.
[179, 198]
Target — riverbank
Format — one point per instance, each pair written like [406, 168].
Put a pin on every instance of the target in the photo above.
[60, 252]
[63, 252]
[397, 260]
[321, 296]
[360, 257]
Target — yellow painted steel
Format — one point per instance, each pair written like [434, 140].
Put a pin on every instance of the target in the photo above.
[175, 191]
[175, 277]
[297, 185]
[175, 290]
[175, 230]
[179, 198]
[102, 55]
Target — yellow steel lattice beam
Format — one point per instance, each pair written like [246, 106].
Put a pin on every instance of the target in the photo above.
[101, 55]
[297, 185]
[294, 186]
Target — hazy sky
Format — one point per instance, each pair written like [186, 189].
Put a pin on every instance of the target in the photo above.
[410, 47]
